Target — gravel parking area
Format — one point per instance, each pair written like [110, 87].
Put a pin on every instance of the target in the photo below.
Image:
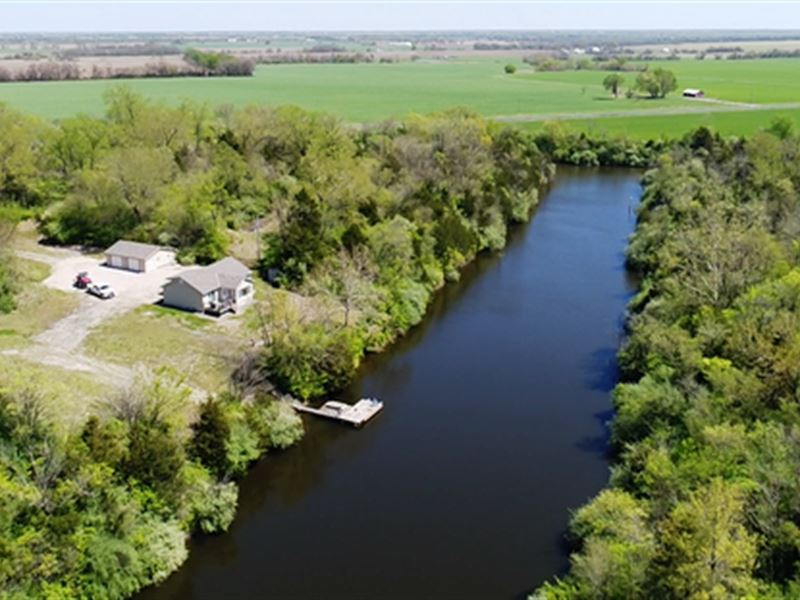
[132, 289]
[60, 344]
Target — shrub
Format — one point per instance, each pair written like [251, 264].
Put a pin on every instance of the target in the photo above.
[275, 423]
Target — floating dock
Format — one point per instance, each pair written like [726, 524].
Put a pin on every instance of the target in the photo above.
[355, 414]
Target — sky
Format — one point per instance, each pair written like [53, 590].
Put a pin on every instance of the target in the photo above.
[392, 15]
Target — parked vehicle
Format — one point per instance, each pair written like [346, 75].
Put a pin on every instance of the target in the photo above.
[101, 290]
[82, 280]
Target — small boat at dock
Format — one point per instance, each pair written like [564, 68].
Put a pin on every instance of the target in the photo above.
[355, 414]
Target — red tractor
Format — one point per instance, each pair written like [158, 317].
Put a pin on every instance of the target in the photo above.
[82, 280]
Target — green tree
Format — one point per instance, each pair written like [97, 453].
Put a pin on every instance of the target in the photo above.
[25, 177]
[510, 69]
[8, 274]
[155, 457]
[613, 82]
[721, 257]
[210, 436]
[706, 550]
[667, 82]
[781, 127]
[104, 440]
[657, 83]
[78, 144]
[301, 244]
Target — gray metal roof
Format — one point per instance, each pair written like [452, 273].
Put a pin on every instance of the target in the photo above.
[133, 249]
[226, 273]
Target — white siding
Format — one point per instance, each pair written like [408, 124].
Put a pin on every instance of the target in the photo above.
[160, 259]
[244, 294]
[180, 295]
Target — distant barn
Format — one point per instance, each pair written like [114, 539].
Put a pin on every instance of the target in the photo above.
[693, 93]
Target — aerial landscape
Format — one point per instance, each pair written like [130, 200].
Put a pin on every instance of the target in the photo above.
[400, 299]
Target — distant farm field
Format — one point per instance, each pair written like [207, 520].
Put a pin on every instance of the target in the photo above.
[356, 92]
[372, 92]
[746, 81]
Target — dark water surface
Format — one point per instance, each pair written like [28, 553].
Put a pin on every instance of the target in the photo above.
[493, 428]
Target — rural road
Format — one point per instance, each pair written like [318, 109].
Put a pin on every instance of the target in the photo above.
[710, 105]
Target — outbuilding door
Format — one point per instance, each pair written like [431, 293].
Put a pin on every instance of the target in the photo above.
[134, 264]
[116, 261]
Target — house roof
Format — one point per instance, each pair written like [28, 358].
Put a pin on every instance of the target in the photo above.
[133, 249]
[225, 273]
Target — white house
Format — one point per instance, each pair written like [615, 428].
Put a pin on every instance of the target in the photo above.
[138, 257]
[227, 285]
[693, 93]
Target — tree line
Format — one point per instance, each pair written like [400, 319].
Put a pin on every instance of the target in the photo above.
[196, 63]
[703, 498]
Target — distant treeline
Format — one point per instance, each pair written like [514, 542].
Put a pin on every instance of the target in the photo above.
[149, 49]
[43, 71]
[320, 57]
[507, 46]
[723, 49]
[319, 48]
[774, 53]
[556, 62]
[197, 63]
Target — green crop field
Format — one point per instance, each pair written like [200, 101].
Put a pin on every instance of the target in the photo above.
[356, 92]
[371, 92]
[747, 81]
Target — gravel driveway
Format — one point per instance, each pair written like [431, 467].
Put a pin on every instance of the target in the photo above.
[133, 290]
[58, 346]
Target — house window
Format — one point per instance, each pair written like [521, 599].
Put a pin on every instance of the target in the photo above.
[245, 291]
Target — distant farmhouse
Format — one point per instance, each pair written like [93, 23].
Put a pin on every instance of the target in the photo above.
[138, 257]
[227, 285]
[693, 93]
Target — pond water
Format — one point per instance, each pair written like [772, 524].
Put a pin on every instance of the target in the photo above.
[494, 427]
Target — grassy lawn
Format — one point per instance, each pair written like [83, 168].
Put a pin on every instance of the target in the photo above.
[69, 395]
[671, 126]
[154, 337]
[37, 309]
[32, 271]
[371, 92]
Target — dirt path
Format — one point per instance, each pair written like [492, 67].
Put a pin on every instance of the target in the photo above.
[710, 106]
[106, 373]
[54, 259]
[717, 101]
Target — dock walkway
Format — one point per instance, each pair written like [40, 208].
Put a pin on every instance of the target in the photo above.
[355, 414]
